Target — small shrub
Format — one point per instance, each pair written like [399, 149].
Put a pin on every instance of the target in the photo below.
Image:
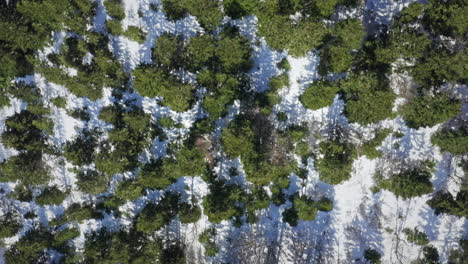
[368, 100]
[51, 195]
[453, 141]
[114, 9]
[410, 182]
[207, 238]
[174, 9]
[221, 203]
[9, 225]
[373, 256]
[336, 165]
[424, 111]
[59, 102]
[66, 235]
[369, 148]
[128, 190]
[325, 204]
[114, 27]
[444, 203]
[135, 33]
[92, 181]
[151, 82]
[306, 208]
[415, 236]
[319, 94]
[290, 216]
[189, 213]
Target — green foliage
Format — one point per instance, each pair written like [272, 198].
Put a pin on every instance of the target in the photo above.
[410, 13]
[453, 141]
[447, 18]
[80, 151]
[306, 208]
[207, 12]
[221, 202]
[126, 141]
[200, 52]
[369, 148]
[430, 256]
[406, 44]
[21, 193]
[9, 225]
[284, 65]
[107, 247]
[59, 102]
[65, 235]
[154, 216]
[373, 256]
[189, 213]
[51, 195]
[439, 66]
[233, 52]
[290, 216]
[174, 9]
[424, 111]
[237, 139]
[92, 181]
[297, 38]
[459, 255]
[27, 167]
[222, 91]
[337, 55]
[151, 82]
[444, 203]
[336, 165]
[26, 92]
[168, 51]
[128, 190]
[207, 238]
[25, 131]
[151, 176]
[79, 113]
[409, 182]
[319, 94]
[114, 27]
[187, 162]
[368, 100]
[30, 247]
[322, 9]
[324, 204]
[415, 236]
[239, 8]
[114, 9]
[135, 33]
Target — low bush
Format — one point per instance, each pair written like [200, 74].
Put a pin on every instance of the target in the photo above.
[51, 195]
[114, 9]
[444, 203]
[319, 94]
[135, 33]
[426, 111]
[409, 182]
[373, 256]
[336, 165]
[415, 236]
[129, 190]
[9, 225]
[369, 147]
[453, 141]
[151, 82]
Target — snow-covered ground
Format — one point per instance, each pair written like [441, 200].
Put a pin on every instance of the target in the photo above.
[359, 220]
